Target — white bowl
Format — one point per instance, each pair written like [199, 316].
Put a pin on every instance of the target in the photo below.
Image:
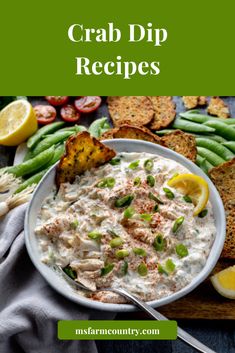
[60, 284]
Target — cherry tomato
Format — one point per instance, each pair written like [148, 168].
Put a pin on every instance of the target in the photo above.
[57, 100]
[69, 113]
[87, 104]
[45, 114]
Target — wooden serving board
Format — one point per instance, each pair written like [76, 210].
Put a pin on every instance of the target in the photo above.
[203, 303]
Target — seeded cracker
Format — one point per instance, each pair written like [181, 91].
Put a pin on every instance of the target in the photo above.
[223, 177]
[182, 143]
[132, 132]
[83, 152]
[218, 108]
[164, 108]
[131, 110]
[191, 102]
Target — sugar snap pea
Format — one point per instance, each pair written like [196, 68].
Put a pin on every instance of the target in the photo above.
[210, 156]
[32, 180]
[214, 137]
[222, 129]
[51, 140]
[197, 117]
[75, 128]
[59, 151]
[230, 145]
[203, 164]
[190, 126]
[47, 129]
[99, 126]
[216, 147]
[32, 165]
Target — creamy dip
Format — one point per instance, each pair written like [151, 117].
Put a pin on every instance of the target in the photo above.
[120, 225]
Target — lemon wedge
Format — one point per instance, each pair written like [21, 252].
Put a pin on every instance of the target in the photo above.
[224, 282]
[193, 186]
[17, 122]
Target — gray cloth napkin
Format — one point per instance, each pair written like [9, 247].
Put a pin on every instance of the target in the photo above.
[29, 308]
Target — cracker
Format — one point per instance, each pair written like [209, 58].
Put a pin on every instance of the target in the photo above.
[223, 177]
[165, 112]
[132, 132]
[132, 110]
[218, 108]
[83, 152]
[182, 143]
[229, 244]
[191, 102]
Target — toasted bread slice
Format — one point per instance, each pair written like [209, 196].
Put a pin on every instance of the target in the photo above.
[223, 177]
[218, 108]
[165, 112]
[131, 110]
[182, 143]
[83, 152]
[191, 102]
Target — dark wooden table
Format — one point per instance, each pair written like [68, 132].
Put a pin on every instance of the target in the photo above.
[219, 335]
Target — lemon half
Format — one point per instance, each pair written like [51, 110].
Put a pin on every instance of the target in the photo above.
[224, 282]
[17, 122]
[194, 186]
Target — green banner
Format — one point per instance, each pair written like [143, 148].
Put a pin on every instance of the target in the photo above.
[117, 330]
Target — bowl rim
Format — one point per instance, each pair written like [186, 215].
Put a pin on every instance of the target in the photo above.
[201, 276]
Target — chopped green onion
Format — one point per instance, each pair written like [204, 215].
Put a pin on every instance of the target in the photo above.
[178, 222]
[95, 235]
[112, 233]
[150, 180]
[129, 212]
[114, 243]
[161, 269]
[74, 224]
[137, 181]
[70, 272]
[167, 268]
[148, 165]
[181, 250]
[120, 254]
[134, 164]
[139, 251]
[105, 270]
[159, 242]
[124, 201]
[146, 216]
[156, 208]
[187, 199]
[106, 183]
[203, 213]
[155, 198]
[169, 193]
[115, 161]
[142, 269]
[124, 268]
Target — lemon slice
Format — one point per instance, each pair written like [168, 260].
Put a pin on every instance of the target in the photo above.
[224, 282]
[17, 122]
[193, 186]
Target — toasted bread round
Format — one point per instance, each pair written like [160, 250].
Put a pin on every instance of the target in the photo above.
[182, 143]
[165, 112]
[132, 132]
[223, 177]
[132, 110]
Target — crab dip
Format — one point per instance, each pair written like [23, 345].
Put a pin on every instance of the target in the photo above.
[121, 225]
